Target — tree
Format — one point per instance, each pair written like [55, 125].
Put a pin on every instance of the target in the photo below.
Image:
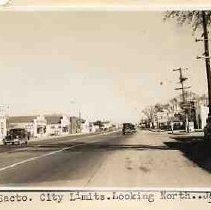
[158, 107]
[173, 104]
[149, 112]
[193, 18]
[198, 20]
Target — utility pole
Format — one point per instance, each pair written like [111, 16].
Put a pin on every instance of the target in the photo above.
[3, 116]
[182, 79]
[206, 56]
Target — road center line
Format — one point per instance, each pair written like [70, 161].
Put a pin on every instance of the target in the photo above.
[38, 157]
[50, 153]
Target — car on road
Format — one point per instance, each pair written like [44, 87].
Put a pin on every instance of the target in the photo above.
[16, 136]
[128, 128]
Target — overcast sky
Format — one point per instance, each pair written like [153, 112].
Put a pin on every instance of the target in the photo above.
[107, 64]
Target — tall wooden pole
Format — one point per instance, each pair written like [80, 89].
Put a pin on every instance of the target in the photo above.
[207, 58]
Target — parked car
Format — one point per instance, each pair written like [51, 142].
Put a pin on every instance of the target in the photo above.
[16, 136]
[207, 129]
[128, 128]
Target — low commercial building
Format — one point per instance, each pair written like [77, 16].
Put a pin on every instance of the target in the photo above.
[57, 124]
[35, 125]
[106, 125]
[53, 125]
[65, 124]
[44, 125]
[87, 127]
[75, 125]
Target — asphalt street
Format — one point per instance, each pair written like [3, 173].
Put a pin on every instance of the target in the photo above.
[145, 159]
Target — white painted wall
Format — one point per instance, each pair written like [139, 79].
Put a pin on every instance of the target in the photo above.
[3, 128]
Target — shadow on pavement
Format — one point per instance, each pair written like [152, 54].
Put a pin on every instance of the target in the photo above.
[195, 148]
[109, 147]
[80, 162]
[100, 147]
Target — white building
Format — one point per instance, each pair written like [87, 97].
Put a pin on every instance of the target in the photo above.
[3, 124]
[53, 125]
[3, 127]
[35, 125]
[201, 116]
[106, 125]
[88, 127]
[92, 127]
[57, 124]
[162, 118]
[39, 126]
[85, 126]
[65, 124]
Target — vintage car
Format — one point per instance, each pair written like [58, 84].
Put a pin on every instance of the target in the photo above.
[16, 136]
[128, 128]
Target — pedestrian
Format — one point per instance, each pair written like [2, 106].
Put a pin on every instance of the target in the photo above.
[28, 135]
[172, 127]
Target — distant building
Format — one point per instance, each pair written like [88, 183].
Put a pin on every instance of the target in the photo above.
[92, 127]
[40, 125]
[3, 122]
[65, 124]
[106, 125]
[96, 126]
[57, 124]
[75, 125]
[53, 126]
[46, 125]
[162, 119]
[35, 125]
[3, 127]
[85, 126]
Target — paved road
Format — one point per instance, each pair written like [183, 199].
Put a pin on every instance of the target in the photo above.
[145, 159]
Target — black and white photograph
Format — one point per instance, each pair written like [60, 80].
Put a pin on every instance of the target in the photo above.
[105, 98]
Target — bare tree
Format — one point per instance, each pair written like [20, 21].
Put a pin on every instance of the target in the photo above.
[149, 112]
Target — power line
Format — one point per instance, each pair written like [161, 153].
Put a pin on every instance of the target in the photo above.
[182, 79]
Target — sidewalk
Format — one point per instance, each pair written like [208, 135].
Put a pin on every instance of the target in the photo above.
[197, 132]
[193, 133]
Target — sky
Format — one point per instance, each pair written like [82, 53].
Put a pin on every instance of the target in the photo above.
[105, 64]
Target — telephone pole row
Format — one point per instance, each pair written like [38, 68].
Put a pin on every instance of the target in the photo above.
[182, 79]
